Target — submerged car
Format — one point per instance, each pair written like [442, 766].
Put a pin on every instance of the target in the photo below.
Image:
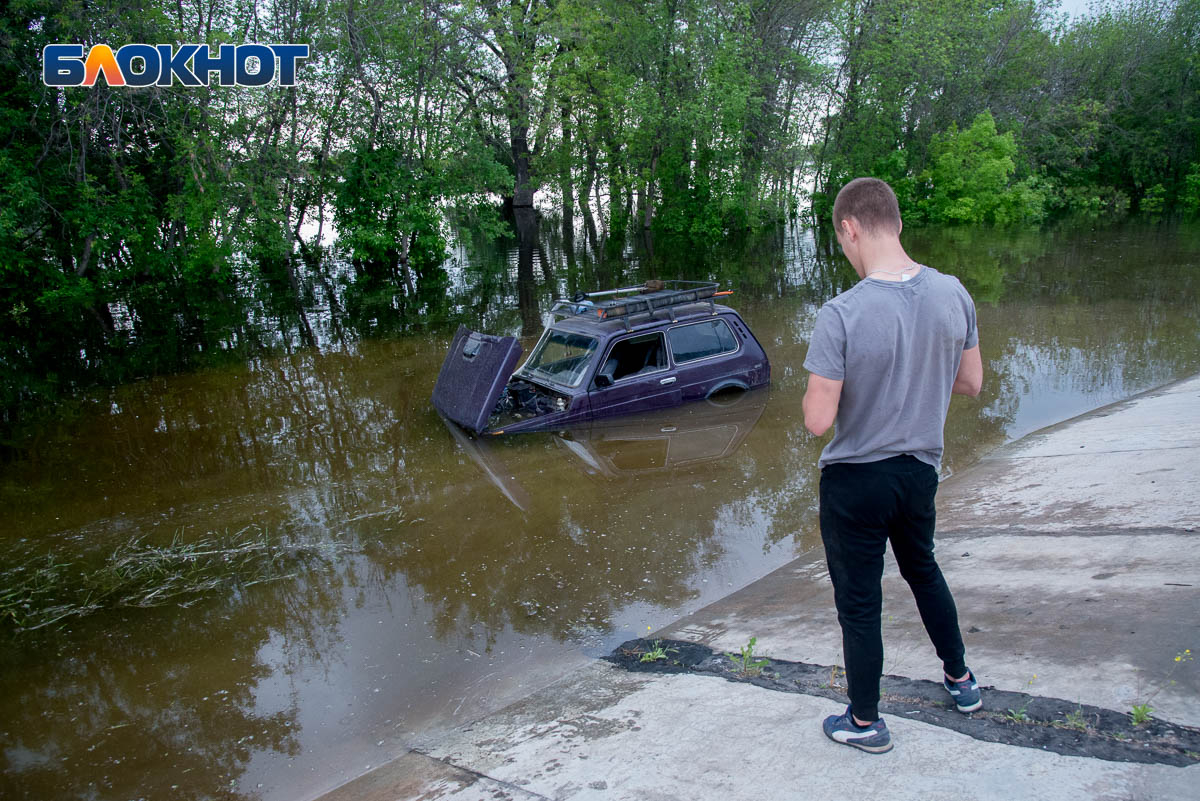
[604, 354]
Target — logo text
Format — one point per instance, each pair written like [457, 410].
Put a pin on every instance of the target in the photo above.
[164, 64]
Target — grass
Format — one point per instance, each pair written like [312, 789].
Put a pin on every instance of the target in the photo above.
[1143, 712]
[1019, 715]
[1074, 720]
[1016, 716]
[746, 664]
[48, 591]
[654, 654]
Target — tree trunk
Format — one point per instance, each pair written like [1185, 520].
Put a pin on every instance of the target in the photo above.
[585, 189]
[406, 243]
[648, 204]
[522, 188]
[526, 219]
[568, 198]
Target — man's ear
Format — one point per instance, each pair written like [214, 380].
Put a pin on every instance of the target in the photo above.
[849, 227]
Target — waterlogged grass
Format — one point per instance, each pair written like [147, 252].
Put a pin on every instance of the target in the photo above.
[48, 591]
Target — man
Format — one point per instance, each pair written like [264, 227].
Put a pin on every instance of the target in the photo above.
[884, 358]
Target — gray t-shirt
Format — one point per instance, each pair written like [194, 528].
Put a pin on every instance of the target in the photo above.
[896, 346]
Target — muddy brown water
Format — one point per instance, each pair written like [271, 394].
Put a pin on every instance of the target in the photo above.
[445, 576]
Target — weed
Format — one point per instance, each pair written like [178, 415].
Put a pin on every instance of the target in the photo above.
[746, 664]
[1075, 720]
[1018, 715]
[656, 653]
[1141, 713]
[832, 684]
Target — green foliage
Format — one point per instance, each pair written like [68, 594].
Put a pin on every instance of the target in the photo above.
[684, 106]
[1016, 715]
[1100, 111]
[745, 663]
[1134, 65]
[142, 231]
[1075, 720]
[1142, 712]
[145, 231]
[1019, 715]
[969, 180]
[1189, 201]
[655, 654]
[1154, 201]
[913, 68]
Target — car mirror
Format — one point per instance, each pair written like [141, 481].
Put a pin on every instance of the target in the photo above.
[603, 380]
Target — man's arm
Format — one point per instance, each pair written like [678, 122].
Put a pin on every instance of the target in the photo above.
[821, 403]
[970, 374]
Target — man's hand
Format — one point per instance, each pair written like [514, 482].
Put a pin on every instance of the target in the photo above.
[821, 403]
[970, 374]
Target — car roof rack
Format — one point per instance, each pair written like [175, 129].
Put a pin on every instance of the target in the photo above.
[645, 299]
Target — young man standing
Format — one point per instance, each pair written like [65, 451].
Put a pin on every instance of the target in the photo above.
[884, 358]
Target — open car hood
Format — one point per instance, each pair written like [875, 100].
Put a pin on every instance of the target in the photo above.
[473, 375]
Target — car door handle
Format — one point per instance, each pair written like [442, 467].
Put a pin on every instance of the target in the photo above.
[670, 380]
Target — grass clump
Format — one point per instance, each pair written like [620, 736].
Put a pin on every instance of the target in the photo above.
[656, 653]
[47, 591]
[1074, 719]
[745, 664]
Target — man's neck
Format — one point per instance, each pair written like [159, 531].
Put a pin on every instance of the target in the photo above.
[884, 258]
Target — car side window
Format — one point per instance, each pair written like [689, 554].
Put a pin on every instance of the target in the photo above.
[700, 340]
[635, 355]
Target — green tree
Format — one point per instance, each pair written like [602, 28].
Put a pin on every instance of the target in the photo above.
[969, 179]
[912, 68]
[1132, 66]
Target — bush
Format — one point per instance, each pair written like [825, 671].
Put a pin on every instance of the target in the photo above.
[1155, 200]
[970, 180]
[1189, 201]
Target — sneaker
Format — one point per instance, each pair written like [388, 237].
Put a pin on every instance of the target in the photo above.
[842, 729]
[965, 693]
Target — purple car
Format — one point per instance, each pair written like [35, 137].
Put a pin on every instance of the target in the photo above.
[606, 353]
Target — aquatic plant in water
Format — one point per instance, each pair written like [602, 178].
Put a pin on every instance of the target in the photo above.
[46, 591]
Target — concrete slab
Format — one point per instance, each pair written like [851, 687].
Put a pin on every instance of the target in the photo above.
[687, 737]
[1131, 464]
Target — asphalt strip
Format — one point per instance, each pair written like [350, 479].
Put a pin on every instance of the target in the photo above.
[1012, 718]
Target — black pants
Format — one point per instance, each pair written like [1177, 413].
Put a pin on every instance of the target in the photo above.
[863, 506]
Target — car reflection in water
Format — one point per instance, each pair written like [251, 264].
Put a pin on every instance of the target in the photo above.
[653, 442]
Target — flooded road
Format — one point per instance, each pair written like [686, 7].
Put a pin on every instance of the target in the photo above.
[387, 574]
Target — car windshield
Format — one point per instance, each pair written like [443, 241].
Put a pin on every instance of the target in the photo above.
[561, 357]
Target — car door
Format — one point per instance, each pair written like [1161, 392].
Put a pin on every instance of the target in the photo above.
[637, 377]
[704, 354]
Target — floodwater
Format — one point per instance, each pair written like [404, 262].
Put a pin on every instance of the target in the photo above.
[427, 577]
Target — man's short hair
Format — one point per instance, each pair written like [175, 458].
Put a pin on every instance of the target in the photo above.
[870, 201]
